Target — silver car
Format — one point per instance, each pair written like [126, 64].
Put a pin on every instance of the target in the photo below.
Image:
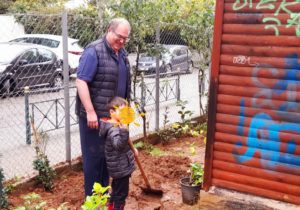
[174, 58]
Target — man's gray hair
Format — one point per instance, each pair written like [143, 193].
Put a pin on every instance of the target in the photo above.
[114, 23]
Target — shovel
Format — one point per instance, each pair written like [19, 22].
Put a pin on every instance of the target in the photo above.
[148, 189]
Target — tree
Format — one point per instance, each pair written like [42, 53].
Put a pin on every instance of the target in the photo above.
[143, 17]
[197, 29]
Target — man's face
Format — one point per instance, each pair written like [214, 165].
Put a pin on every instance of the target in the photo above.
[118, 37]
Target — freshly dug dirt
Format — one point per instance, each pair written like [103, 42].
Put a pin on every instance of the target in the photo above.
[163, 171]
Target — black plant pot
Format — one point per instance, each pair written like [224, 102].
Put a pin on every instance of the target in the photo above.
[190, 194]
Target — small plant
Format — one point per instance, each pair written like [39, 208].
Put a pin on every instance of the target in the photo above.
[32, 201]
[166, 134]
[11, 184]
[98, 199]
[139, 145]
[185, 115]
[3, 192]
[192, 149]
[46, 174]
[156, 152]
[184, 127]
[144, 146]
[166, 117]
[196, 174]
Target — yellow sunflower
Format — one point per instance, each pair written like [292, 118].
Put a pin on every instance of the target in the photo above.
[127, 115]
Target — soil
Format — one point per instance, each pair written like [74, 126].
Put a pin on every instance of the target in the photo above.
[163, 170]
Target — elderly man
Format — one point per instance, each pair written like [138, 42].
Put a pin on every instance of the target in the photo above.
[103, 73]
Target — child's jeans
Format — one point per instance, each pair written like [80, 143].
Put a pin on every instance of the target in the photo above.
[120, 189]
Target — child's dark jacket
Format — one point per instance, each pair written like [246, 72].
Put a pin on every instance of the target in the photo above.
[119, 157]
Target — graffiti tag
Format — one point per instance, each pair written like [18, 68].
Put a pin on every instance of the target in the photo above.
[241, 59]
[294, 18]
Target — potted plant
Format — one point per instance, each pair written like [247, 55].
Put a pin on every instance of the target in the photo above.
[191, 185]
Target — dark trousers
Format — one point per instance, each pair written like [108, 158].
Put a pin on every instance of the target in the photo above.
[93, 157]
[120, 189]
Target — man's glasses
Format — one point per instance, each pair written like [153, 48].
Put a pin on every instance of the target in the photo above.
[125, 39]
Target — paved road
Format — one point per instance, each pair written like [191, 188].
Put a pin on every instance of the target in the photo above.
[17, 156]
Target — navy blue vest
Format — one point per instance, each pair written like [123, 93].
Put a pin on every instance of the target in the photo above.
[104, 86]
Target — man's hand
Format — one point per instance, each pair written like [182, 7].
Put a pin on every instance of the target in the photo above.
[84, 95]
[92, 120]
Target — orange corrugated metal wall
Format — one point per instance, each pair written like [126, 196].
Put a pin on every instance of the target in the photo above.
[254, 140]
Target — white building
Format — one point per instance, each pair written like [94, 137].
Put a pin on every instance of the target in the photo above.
[9, 28]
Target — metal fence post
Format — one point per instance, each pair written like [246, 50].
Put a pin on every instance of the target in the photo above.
[143, 103]
[157, 75]
[66, 85]
[56, 113]
[178, 87]
[27, 115]
[143, 91]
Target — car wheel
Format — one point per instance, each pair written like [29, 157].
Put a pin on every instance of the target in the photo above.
[190, 68]
[70, 70]
[57, 82]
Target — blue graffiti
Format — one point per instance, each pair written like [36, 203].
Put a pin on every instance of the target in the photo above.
[264, 132]
[289, 82]
[264, 137]
[290, 77]
[242, 118]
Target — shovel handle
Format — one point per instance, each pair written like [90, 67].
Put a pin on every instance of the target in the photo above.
[139, 164]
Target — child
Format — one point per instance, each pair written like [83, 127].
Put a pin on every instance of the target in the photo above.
[119, 157]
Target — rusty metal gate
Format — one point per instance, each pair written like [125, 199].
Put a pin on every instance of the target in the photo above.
[254, 110]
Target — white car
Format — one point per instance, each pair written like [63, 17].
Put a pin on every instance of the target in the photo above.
[55, 43]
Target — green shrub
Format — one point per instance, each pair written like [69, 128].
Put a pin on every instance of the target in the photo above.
[46, 173]
[41, 163]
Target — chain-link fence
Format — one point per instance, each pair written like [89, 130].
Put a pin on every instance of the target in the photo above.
[164, 71]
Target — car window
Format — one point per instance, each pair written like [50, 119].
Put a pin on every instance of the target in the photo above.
[45, 55]
[49, 43]
[183, 51]
[177, 52]
[33, 40]
[41, 41]
[31, 56]
[76, 45]
[18, 40]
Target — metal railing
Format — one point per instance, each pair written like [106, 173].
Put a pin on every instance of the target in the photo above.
[31, 110]
[169, 88]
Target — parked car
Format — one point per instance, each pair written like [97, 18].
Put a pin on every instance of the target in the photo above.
[55, 43]
[173, 58]
[30, 65]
